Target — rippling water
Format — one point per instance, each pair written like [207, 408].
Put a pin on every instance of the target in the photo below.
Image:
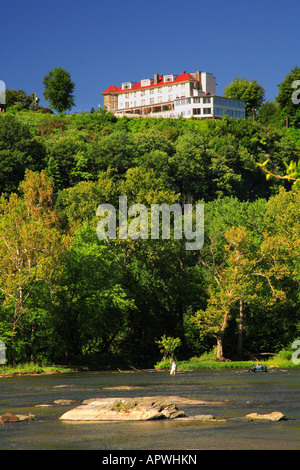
[239, 391]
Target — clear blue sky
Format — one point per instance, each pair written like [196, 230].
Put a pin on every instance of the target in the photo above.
[104, 42]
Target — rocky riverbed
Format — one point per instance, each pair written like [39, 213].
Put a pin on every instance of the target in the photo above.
[135, 409]
[147, 408]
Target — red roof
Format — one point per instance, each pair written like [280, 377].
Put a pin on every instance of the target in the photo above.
[184, 77]
[111, 89]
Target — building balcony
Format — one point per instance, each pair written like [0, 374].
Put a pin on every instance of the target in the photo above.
[146, 109]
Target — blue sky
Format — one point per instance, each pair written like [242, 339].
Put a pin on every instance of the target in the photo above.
[104, 42]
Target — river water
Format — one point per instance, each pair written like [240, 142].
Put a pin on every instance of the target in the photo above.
[239, 391]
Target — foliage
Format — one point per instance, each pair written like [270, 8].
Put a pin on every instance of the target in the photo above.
[18, 151]
[68, 297]
[58, 89]
[167, 346]
[30, 246]
[20, 100]
[249, 91]
[289, 89]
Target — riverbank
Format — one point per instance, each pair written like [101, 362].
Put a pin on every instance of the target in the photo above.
[32, 369]
[192, 364]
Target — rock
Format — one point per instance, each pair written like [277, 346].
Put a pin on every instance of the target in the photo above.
[43, 405]
[12, 418]
[120, 409]
[65, 401]
[199, 418]
[9, 418]
[29, 417]
[275, 416]
[209, 418]
[203, 417]
[121, 387]
[173, 399]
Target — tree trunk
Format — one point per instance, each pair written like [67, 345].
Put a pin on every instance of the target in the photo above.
[241, 328]
[220, 346]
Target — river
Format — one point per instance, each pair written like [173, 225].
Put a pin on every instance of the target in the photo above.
[239, 391]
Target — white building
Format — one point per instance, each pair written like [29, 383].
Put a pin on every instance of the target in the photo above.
[186, 95]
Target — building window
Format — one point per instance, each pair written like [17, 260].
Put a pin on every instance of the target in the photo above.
[206, 100]
[196, 111]
[219, 111]
[169, 78]
[146, 82]
[127, 104]
[206, 110]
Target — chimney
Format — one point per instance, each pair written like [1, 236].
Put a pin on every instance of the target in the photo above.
[198, 78]
[156, 78]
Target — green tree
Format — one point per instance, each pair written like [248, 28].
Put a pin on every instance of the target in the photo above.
[241, 266]
[167, 346]
[288, 96]
[114, 150]
[59, 89]
[30, 247]
[19, 150]
[271, 114]
[21, 100]
[91, 306]
[249, 91]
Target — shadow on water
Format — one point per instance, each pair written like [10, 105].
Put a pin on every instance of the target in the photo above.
[239, 392]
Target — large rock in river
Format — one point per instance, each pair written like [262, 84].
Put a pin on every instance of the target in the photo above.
[274, 416]
[128, 409]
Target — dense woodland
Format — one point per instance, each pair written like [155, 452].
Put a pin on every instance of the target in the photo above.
[67, 297]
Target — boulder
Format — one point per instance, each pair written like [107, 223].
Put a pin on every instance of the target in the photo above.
[12, 418]
[9, 418]
[274, 416]
[120, 409]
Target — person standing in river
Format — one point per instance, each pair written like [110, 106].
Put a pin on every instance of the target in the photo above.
[173, 368]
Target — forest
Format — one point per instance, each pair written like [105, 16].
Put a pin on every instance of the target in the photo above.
[67, 297]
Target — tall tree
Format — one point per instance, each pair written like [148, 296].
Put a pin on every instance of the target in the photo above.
[30, 247]
[288, 97]
[250, 91]
[19, 150]
[59, 89]
[241, 265]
